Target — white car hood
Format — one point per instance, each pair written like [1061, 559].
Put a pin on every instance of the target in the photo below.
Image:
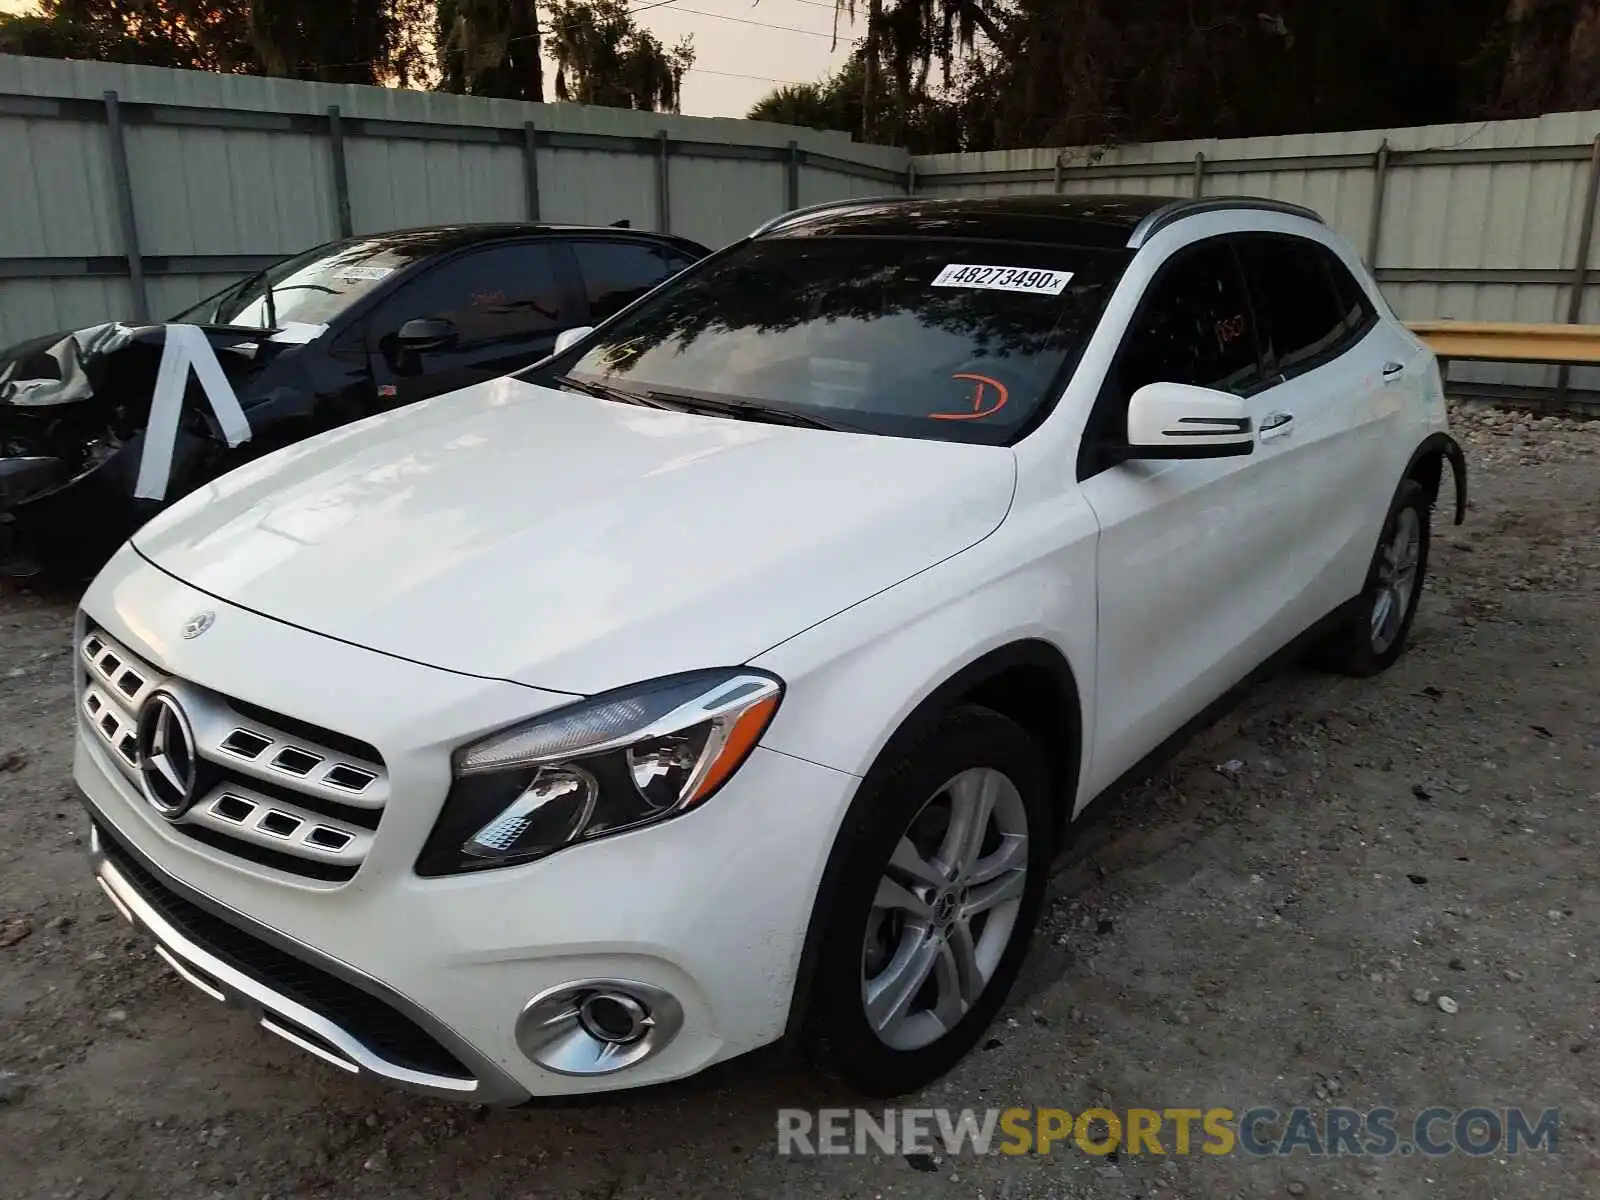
[575, 544]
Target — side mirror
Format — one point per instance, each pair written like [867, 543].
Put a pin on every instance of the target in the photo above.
[1178, 420]
[426, 333]
[569, 338]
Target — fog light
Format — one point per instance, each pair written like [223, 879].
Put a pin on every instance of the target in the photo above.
[597, 1026]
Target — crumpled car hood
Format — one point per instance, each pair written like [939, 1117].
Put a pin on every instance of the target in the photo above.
[574, 544]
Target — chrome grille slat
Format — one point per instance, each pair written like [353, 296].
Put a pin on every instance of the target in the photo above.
[255, 826]
[264, 769]
[113, 724]
[215, 726]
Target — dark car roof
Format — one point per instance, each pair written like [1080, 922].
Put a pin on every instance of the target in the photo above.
[438, 239]
[1095, 221]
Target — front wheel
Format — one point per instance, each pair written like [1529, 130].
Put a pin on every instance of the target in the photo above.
[1376, 634]
[943, 876]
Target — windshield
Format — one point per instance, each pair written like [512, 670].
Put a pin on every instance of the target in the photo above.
[955, 340]
[310, 289]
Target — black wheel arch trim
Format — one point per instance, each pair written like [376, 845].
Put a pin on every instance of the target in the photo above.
[1445, 446]
[1026, 653]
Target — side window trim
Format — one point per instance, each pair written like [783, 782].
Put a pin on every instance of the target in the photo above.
[569, 282]
[1268, 379]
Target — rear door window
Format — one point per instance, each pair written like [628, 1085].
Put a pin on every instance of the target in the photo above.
[617, 273]
[1301, 314]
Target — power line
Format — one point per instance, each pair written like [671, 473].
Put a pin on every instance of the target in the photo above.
[747, 21]
[818, 4]
[737, 75]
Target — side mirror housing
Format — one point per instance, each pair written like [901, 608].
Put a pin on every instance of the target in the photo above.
[569, 338]
[1178, 420]
[426, 333]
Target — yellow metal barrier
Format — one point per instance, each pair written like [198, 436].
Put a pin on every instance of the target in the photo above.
[1492, 341]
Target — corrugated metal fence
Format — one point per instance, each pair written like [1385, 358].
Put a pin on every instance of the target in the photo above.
[1489, 221]
[135, 191]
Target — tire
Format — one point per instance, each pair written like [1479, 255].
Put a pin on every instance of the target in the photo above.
[890, 920]
[1375, 636]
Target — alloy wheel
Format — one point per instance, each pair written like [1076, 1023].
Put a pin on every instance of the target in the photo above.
[1397, 579]
[945, 909]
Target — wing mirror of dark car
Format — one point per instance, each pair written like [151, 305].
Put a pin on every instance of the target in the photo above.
[1179, 420]
[569, 338]
[426, 333]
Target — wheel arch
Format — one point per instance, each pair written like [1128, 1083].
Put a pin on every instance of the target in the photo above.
[1028, 681]
[1427, 468]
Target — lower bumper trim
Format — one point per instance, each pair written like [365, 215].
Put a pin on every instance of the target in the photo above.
[281, 1014]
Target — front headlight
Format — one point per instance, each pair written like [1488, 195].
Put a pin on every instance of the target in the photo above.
[613, 762]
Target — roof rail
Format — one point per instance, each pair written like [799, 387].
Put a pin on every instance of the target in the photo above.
[1169, 214]
[785, 218]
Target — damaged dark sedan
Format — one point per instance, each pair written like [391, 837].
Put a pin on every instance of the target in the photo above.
[102, 427]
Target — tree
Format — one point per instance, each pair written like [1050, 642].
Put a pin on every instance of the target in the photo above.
[908, 37]
[810, 105]
[341, 41]
[1551, 50]
[603, 57]
[1072, 72]
[490, 48]
[336, 41]
[413, 61]
[923, 122]
[161, 33]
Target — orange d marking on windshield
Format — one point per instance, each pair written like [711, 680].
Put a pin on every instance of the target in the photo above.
[989, 396]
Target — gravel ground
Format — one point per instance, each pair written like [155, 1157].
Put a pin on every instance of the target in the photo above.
[1257, 924]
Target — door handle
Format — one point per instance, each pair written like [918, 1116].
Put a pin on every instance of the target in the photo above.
[1390, 370]
[1276, 425]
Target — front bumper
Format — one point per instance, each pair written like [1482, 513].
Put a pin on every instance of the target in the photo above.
[710, 908]
[342, 1018]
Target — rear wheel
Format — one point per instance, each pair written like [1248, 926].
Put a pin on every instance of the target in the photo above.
[1375, 635]
[943, 876]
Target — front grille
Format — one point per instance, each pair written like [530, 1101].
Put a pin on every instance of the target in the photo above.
[371, 1021]
[270, 789]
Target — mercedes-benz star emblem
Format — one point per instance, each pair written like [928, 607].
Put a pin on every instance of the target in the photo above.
[168, 764]
[198, 624]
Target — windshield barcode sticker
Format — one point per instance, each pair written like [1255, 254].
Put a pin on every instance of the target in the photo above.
[1004, 279]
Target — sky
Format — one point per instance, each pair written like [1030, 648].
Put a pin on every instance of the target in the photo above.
[739, 54]
[726, 49]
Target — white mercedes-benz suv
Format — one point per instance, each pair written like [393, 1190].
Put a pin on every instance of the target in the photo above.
[733, 675]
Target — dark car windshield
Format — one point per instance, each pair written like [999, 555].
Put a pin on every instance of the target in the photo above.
[959, 340]
[311, 288]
